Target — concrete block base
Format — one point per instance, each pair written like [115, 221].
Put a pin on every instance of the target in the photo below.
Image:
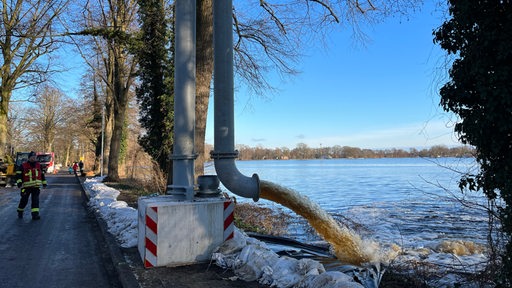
[177, 232]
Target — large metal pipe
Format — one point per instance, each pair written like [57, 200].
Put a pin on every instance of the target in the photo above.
[184, 102]
[224, 153]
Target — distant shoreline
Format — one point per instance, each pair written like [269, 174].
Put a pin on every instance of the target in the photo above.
[302, 151]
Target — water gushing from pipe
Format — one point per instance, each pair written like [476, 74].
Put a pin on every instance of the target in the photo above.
[346, 244]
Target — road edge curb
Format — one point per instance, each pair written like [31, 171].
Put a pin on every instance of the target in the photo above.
[122, 267]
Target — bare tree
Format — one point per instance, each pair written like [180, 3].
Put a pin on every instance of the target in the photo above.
[111, 23]
[27, 31]
[68, 138]
[51, 123]
[94, 116]
[53, 111]
[122, 20]
[17, 128]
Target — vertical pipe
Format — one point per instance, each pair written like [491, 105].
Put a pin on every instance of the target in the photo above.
[224, 139]
[184, 101]
[223, 74]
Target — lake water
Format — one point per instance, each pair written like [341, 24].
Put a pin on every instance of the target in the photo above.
[413, 202]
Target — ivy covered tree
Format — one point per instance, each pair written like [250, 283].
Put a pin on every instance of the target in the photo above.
[479, 91]
[155, 92]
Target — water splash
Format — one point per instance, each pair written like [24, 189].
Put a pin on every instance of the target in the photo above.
[347, 245]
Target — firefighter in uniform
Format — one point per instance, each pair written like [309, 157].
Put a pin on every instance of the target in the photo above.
[30, 177]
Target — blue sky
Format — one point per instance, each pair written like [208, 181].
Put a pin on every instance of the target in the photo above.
[382, 95]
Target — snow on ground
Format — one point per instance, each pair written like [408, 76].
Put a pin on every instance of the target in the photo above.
[252, 260]
[121, 219]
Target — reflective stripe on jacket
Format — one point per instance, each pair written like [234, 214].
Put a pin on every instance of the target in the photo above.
[31, 176]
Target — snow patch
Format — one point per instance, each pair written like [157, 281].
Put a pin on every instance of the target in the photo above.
[121, 219]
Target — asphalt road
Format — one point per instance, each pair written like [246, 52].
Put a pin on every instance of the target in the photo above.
[65, 248]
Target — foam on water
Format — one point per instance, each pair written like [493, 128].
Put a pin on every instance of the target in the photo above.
[460, 247]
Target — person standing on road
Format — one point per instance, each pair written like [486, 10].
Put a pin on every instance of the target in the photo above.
[30, 177]
[81, 166]
[75, 167]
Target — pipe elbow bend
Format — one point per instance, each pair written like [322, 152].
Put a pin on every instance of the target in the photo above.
[236, 182]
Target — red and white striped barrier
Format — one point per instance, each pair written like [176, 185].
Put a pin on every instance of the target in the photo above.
[174, 233]
[229, 219]
[151, 238]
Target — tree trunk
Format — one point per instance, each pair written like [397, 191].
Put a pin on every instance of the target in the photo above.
[115, 143]
[204, 72]
[68, 152]
[109, 127]
[120, 106]
[4, 109]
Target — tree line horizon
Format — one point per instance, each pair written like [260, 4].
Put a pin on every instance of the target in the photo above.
[303, 151]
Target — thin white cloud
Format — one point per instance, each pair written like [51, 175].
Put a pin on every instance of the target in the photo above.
[413, 135]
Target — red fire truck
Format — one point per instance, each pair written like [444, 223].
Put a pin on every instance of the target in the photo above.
[47, 161]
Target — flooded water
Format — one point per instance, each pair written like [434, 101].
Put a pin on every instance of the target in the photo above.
[411, 202]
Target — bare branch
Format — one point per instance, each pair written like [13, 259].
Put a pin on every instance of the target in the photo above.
[267, 7]
[329, 9]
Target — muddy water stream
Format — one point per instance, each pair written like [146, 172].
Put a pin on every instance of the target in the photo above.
[346, 244]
